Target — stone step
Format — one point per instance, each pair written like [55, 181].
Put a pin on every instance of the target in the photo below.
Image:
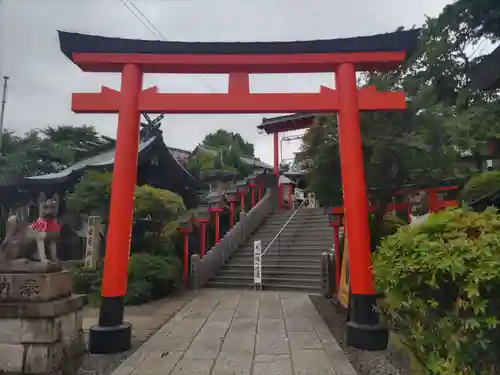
[282, 263]
[284, 252]
[278, 272]
[272, 256]
[296, 218]
[270, 280]
[302, 229]
[289, 267]
[265, 286]
[290, 246]
[263, 235]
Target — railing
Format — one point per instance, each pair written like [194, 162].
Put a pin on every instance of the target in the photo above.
[258, 253]
[283, 228]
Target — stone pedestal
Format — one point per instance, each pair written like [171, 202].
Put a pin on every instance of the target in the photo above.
[40, 321]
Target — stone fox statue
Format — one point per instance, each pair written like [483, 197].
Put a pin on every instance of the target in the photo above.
[44, 230]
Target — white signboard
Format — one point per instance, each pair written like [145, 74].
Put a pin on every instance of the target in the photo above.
[92, 241]
[257, 262]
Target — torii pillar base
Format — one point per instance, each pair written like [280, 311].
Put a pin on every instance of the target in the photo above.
[363, 328]
[109, 340]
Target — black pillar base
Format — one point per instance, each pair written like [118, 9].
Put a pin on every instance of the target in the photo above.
[364, 330]
[111, 335]
[110, 340]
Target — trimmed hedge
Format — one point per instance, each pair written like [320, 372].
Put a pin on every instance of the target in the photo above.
[441, 281]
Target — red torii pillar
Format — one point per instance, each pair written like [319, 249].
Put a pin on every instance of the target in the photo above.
[114, 285]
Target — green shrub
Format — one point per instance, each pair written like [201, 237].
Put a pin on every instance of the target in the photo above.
[91, 194]
[441, 281]
[480, 185]
[151, 277]
[86, 280]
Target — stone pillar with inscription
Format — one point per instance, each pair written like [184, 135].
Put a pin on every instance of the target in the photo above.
[40, 320]
[92, 241]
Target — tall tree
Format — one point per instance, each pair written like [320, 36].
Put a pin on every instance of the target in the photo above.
[49, 150]
[224, 139]
[419, 144]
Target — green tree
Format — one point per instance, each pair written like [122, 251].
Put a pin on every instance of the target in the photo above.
[224, 157]
[48, 150]
[481, 17]
[222, 139]
[443, 115]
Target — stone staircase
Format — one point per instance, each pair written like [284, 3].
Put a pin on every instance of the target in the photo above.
[291, 263]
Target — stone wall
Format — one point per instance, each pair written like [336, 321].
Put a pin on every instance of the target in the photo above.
[40, 323]
[204, 269]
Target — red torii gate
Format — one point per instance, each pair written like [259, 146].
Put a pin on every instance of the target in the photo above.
[133, 58]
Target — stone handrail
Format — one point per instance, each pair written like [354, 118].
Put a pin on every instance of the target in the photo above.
[203, 269]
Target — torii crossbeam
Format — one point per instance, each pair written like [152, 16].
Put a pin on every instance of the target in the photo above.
[133, 58]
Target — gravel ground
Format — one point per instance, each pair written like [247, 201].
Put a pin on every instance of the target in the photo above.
[387, 362]
[146, 320]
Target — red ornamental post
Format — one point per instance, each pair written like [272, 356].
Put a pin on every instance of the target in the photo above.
[242, 201]
[185, 272]
[241, 190]
[217, 212]
[232, 197]
[203, 218]
[203, 237]
[336, 223]
[252, 191]
[231, 214]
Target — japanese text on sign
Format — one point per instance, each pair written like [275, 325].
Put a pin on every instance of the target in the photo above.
[257, 262]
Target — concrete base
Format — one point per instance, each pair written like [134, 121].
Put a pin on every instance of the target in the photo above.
[40, 324]
[108, 340]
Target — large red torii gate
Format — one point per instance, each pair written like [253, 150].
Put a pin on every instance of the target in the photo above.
[133, 58]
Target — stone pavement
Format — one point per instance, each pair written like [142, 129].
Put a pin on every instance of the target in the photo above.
[146, 320]
[227, 332]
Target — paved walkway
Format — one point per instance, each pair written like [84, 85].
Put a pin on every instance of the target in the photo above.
[226, 332]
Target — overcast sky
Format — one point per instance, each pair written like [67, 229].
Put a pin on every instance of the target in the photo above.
[42, 78]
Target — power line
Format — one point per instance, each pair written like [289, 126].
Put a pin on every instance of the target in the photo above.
[156, 32]
[140, 20]
[147, 20]
[473, 54]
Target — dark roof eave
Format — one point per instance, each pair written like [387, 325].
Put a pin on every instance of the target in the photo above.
[81, 43]
[284, 123]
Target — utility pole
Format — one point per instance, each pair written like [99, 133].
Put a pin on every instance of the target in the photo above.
[2, 109]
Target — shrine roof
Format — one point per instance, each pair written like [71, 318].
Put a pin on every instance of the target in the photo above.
[88, 51]
[287, 123]
[486, 75]
[106, 160]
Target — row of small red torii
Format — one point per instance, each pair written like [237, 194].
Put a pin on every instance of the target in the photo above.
[132, 58]
[255, 190]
